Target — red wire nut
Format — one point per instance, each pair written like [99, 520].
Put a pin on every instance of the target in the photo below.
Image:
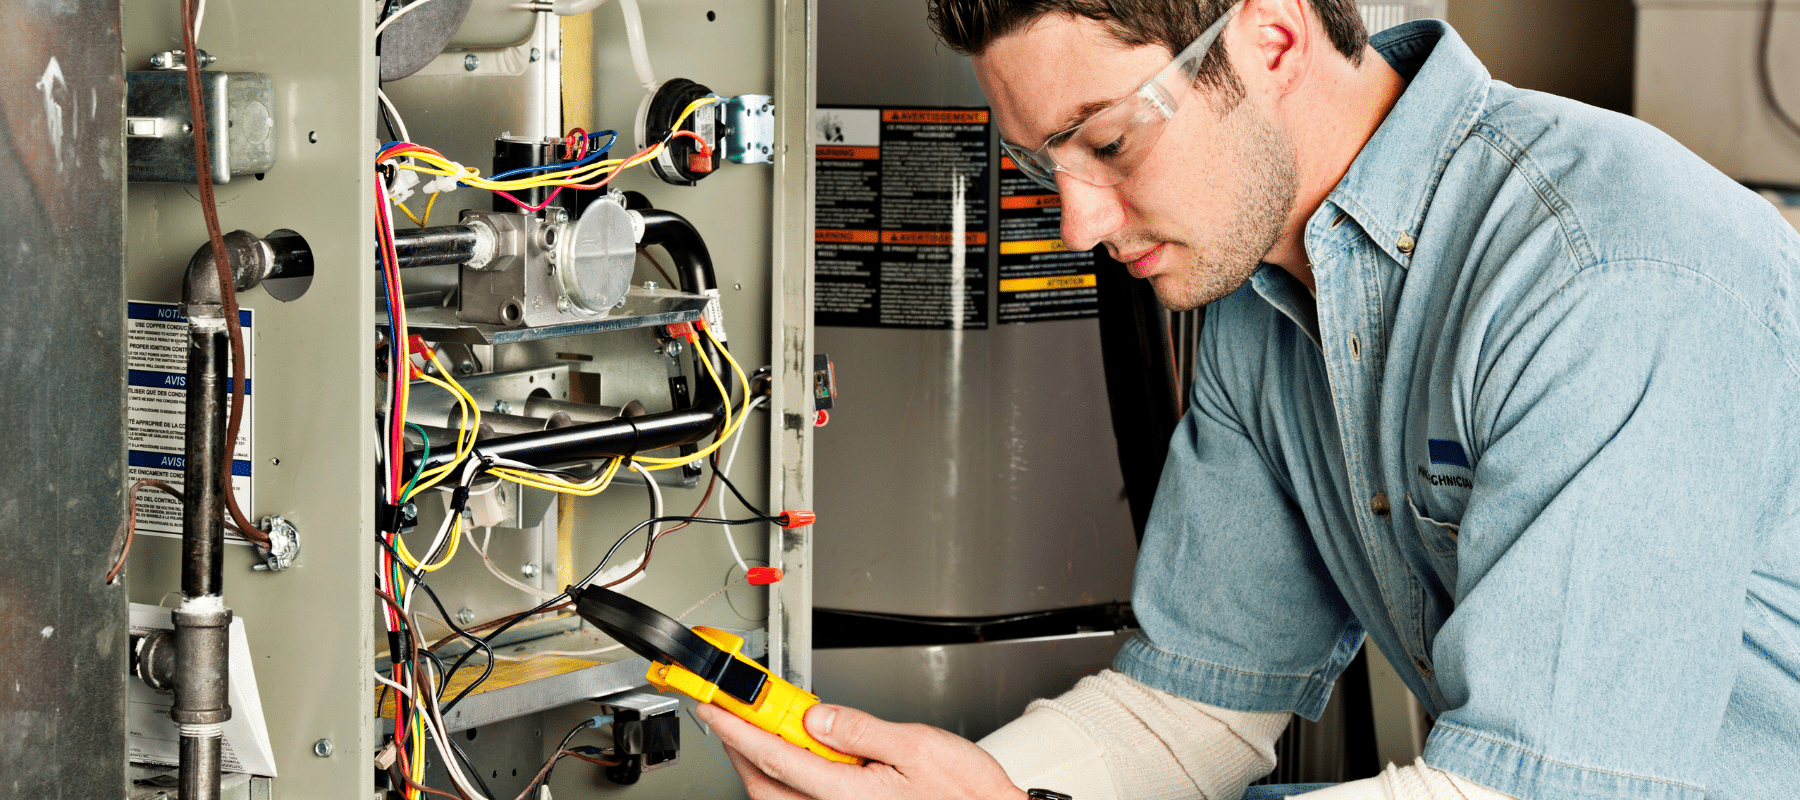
[763, 576]
[795, 519]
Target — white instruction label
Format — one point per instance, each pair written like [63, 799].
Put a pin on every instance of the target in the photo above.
[154, 737]
[156, 433]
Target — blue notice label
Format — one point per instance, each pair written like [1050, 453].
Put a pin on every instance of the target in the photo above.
[174, 462]
[170, 312]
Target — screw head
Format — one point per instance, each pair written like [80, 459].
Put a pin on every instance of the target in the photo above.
[536, 55]
[471, 62]
[465, 367]
[274, 462]
[673, 349]
[562, 304]
[159, 60]
[502, 407]
[529, 570]
[649, 286]
[465, 616]
[322, 748]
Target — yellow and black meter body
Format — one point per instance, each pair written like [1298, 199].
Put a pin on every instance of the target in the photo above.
[706, 664]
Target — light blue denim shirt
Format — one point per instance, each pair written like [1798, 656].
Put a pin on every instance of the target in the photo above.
[1537, 436]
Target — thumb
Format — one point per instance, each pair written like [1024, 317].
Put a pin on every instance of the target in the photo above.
[857, 733]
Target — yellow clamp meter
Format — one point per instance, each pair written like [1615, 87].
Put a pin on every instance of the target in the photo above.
[706, 664]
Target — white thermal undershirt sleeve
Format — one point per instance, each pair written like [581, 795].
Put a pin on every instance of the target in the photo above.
[1418, 782]
[1111, 737]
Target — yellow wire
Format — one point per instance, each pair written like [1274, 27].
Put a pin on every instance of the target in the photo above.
[408, 212]
[428, 204]
[438, 165]
[552, 483]
[469, 426]
[730, 429]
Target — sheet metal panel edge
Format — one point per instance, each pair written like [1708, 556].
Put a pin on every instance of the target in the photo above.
[62, 371]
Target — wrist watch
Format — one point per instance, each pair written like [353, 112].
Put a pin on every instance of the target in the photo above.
[1046, 794]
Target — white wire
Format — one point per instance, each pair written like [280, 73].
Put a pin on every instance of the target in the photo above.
[725, 470]
[389, 104]
[403, 11]
[395, 686]
[199, 17]
[570, 8]
[495, 571]
[656, 501]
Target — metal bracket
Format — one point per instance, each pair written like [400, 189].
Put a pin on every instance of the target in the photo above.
[749, 136]
[284, 545]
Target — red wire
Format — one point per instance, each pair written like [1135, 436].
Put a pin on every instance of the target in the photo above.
[705, 149]
[538, 207]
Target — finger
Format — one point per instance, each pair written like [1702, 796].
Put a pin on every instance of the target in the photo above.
[758, 785]
[856, 733]
[798, 769]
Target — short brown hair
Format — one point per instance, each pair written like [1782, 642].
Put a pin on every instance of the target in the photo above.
[969, 26]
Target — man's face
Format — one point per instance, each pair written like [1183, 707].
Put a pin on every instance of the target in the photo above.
[1199, 214]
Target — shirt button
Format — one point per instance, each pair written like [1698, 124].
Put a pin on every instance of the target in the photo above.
[1405, 243]
[1424, 668]
[1379, 504]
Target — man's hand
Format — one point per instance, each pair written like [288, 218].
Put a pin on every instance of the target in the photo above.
[905, 761]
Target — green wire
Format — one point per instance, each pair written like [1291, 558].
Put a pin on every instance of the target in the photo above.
[423, 457]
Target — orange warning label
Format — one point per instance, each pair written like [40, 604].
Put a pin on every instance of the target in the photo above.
[936, 116]
[1006, 162]
[1033, 246]
[849, 237]
[1032, 201]
[1049, 284]
[852, 153]
[940, 239]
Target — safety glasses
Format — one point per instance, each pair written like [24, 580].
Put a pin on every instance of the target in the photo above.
[1109, 145]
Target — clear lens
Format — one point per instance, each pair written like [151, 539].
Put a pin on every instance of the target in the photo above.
[1110, 145]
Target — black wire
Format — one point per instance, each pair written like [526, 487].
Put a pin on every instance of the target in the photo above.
[393, 134]
[473, 772]
[556, 755]
[478, 642]
[541, 607]
[734, 490]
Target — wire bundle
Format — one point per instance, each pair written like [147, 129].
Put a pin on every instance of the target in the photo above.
[587, 170]
[418, 676]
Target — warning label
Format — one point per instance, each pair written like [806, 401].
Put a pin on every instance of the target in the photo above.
[901, 224]
[1040, 279]
[156, 433]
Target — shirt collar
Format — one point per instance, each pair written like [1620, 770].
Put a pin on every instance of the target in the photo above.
[1389, 186]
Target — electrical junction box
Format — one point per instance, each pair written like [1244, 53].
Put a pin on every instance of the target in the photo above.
[159, 130]
[1697, 65]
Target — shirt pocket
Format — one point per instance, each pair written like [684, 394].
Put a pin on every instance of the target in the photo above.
[1439, 536]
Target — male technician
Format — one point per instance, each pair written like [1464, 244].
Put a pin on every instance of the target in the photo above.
[1507, 382]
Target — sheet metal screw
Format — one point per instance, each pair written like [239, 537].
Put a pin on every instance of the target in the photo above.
[472, 62]
[536, 54]
[502, 407]
[322, 748]
[529, 570]
[465, 616]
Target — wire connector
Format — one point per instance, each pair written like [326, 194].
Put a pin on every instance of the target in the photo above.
[401, 187]
[763, 576]
[795, 519]
[440, 184]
